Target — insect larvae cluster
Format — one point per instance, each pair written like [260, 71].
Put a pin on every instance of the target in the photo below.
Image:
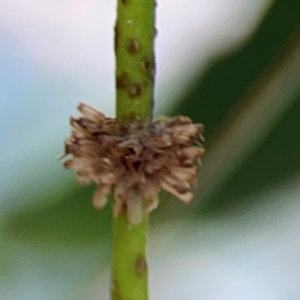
[134, 160]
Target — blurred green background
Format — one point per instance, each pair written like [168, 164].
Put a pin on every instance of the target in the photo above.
[232, 65]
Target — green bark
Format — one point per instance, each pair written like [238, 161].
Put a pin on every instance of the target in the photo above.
[129, 269]
[135, 69]
[135, 66]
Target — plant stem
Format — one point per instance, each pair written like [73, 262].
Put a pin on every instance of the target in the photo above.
[135, 68]
[129, 269]
[134, 46]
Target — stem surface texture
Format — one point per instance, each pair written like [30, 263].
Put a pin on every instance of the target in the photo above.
[135, 70]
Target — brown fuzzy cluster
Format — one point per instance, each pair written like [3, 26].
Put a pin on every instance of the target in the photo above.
[134, 160]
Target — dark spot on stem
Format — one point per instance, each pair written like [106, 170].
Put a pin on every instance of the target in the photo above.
[115, 290]
[145, 64]
[140, 266]
[122, 81]
[134, 90]
[124, 1]
[133, 46]
[148, 66]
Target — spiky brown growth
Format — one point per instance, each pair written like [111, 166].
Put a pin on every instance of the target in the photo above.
[134, 160]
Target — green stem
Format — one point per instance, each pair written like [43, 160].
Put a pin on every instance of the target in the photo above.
[129, 268]
[134, 46]
[135, 68]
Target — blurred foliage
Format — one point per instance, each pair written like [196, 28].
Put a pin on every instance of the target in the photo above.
[71, 240]
[220, 89]
[227, 79]
[276, 161]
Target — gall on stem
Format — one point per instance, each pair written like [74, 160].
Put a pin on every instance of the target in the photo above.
[134, 160]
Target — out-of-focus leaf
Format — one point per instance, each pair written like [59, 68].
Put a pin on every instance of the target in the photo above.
[253, 120]
[227, 79]
[70, 221]
[276, 161]
[48, 252]
[217, 100]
